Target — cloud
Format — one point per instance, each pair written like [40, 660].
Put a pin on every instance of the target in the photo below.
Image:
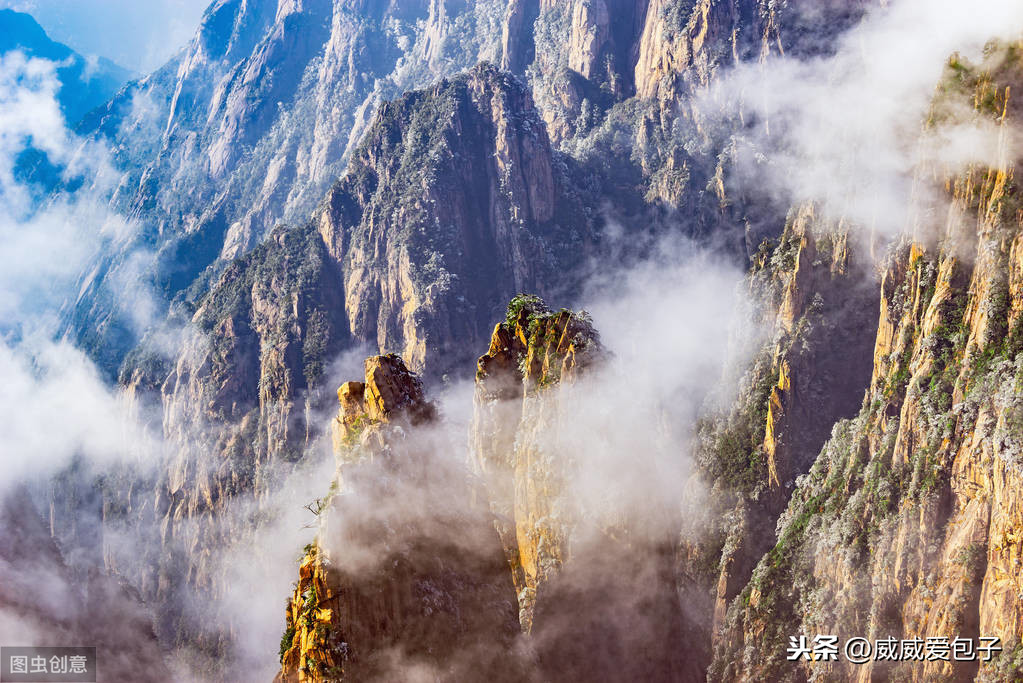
[263, 565]
[54, 406]
[610, 452]
[62, 426]
[840, 130]
[45, 248]
[669, 323]
[845, 130]
[28, 88]
[61, 420]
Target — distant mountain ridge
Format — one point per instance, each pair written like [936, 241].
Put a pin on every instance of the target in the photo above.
[86, 82]
[258, 116]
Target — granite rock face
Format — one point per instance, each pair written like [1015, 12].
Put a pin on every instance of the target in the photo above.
[249, 126]
[904, 525]
[453, 202]
[528, 355]
[597, 590]
[255, 120]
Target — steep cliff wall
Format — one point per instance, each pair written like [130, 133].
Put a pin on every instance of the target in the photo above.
[814, 296]
[250, 124]
[529, 353]
[254, 120]
[49, 598]
[606, 70]
[236, 406]
[453, 203]
[906, 524]
[594, 574]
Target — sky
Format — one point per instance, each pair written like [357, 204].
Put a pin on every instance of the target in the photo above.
[139, 36]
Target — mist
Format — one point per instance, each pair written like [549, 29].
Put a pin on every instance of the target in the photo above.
[45, 248]
[847, 130]
[842, 131]
[614, 450]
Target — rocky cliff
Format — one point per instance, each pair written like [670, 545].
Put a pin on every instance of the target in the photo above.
[433, 209]
[49, 598]
[586, 582]
[453, 202]
[406, 577]
[815, 295]
[249, 125]
[533, 350]
[594, 574]
[446, 533]
[262, 112]
[906, 524]
[621, 80]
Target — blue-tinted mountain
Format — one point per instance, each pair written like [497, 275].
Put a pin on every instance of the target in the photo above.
[85, 82]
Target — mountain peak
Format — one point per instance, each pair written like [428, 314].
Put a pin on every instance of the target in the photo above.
[85, 81]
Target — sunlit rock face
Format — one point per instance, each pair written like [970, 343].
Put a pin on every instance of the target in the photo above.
[529, 354]
[250, 125]
[241, 398]
[261, 113]
[597, 593]
[904, 526]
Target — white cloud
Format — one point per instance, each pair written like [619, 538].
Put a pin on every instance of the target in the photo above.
[845, 130]
[46, 247]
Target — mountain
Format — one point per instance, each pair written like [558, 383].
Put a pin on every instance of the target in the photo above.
[251, 124]
[452, 201]
[257, 118]
[412, 223]
[320, 178]
[85, 82]
[864, 483]
[904, 525]
[88, 606]
[450, 601]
